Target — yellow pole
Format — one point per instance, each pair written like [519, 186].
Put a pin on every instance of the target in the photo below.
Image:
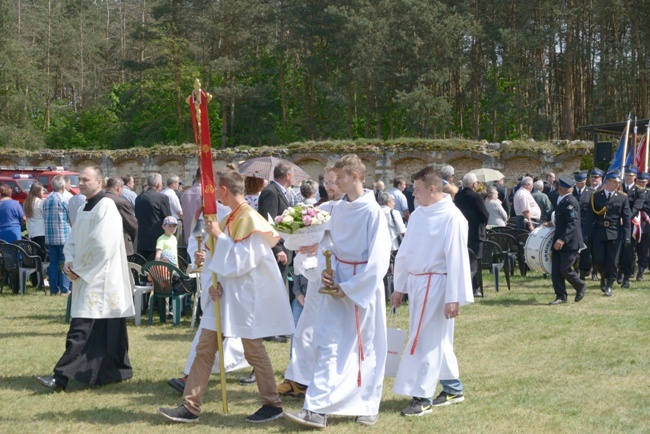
[217, 315]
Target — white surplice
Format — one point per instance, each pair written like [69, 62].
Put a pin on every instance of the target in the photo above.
[255, 301]
[98, 257]
[360, 234]
[303, 351]
[436, 242]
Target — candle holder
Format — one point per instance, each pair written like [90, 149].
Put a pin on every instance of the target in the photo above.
[327, 247]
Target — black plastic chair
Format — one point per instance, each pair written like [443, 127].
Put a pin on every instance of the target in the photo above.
[34, 250]
[494, 259]
[162, 274]
[18, 266]
[509, 246]
[521, 240]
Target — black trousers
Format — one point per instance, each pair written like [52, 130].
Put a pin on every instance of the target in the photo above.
[605, 255]
[642, 250]
[585, 257]
[563, 271]
[96, 352]
[628, 259]
[475, 265]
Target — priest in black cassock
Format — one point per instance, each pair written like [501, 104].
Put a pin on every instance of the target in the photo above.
[96, 348]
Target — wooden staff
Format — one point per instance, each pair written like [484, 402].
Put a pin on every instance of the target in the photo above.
[198, 102]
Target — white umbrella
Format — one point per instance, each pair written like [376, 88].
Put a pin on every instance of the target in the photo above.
[487, 175]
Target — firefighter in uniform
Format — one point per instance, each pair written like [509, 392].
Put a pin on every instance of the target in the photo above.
[567, 241]
[636, 199]
[609, 223]
[596, 183]
[582, 193]
[643, 245]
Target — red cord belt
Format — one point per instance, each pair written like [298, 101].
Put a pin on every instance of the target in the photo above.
[424, 304]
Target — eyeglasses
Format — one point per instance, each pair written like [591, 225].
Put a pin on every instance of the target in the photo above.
[327, 184]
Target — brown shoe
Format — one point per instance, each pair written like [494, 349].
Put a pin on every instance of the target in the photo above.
[291, 388]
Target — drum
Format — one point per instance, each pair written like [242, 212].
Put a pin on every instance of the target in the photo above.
[539, 248]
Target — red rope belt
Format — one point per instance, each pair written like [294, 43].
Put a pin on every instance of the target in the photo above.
[424, 304]
[357, 318]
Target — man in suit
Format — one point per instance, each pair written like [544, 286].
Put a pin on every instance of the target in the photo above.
[583, 193]
[473, 208]
[643, 244]
[151, 208]
[609, 223]
[567, 240]
[114, 188]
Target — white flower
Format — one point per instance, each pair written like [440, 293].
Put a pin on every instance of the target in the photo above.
[287, 219]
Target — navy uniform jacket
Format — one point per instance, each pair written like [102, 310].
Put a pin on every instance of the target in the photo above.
[636, 198]
[615, 221]
[584, 200]
[567, 224]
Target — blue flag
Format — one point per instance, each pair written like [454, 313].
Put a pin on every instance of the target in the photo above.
[617, 162]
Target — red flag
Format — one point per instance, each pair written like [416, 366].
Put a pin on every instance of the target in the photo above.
[639, 157]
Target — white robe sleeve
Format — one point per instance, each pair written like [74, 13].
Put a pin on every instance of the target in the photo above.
[233, 259]
[459, 280]
[400, 273]
[362, 287]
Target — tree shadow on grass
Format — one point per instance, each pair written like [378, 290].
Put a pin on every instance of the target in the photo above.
[28, 334]
[501, 302]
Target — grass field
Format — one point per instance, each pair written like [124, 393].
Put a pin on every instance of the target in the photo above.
[526, 367]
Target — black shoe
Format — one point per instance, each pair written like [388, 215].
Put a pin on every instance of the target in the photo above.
[557, 301]
[581, 294]
[639, 275]
[178, 384]
[179, 414]
[626, 283]
[265, 414]
[583, 275]
[603, 284]
[608, 287]
[248, 380]
[49, 382]
[608, 292]
[619, 280]
[278, 339]
[445, 398]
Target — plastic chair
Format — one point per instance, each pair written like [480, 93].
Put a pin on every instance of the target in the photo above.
[509, 246]
[34, 250]
[162, 275]
[17, 263]
[139, 291]
[195, 274]
[521, 240]
[494, 259]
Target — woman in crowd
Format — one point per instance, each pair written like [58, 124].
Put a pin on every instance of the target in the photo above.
[11, 216]
[498, 215]
[450, 189]
[252, 188]
[33, 207]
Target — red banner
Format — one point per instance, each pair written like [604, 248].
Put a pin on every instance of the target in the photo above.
[198, 101]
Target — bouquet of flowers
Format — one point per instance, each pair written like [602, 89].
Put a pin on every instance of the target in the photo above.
[302, 226]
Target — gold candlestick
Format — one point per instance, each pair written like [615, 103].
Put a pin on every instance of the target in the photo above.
[327, 246]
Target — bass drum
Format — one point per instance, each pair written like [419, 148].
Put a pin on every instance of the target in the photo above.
[539, 248]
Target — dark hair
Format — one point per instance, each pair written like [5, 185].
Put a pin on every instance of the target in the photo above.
[114, 183]
[253, 185]
[428, 176]
[5, 190]
[281, 170]
[126, 179]
[35, 191]
[398, 180]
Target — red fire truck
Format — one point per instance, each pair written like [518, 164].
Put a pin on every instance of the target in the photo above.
[42, 174]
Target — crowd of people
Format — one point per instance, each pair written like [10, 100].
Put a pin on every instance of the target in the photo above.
[339, 344]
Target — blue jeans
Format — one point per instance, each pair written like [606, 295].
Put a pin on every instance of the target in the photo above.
[58, 280]
[452, 387]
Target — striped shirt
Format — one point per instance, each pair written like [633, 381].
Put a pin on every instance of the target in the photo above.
[55, 213]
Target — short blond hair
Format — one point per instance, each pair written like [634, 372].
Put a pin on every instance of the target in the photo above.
[351, 163]
[232, 180]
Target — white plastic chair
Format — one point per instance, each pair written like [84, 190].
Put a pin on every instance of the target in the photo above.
[195, 274]
[138, 290]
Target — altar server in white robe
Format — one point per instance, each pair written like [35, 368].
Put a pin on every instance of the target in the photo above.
[233, 350]
[252, 298]
[303, 351]
[97, 341]
[432, 267]
[350, 330]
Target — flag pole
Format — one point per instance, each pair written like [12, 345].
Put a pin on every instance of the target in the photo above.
[634, 136]
[627, 133]
[647, 142]
[198, 101]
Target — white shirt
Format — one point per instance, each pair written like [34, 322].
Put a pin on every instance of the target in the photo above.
[174, 203]
[36, 223]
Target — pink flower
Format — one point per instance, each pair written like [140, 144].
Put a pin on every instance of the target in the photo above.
[306, 220]
[278, 219]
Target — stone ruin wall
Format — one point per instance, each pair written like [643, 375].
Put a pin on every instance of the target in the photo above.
[382, 162]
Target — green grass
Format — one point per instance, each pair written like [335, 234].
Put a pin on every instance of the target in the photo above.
[525, 366]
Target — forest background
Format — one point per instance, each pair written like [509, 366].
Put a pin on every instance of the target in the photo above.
[115, 74]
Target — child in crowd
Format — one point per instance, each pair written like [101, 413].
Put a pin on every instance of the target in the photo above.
[167, 241]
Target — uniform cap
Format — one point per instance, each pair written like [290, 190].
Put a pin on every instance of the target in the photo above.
[579, 176]
[566, 181]
[596, 172]
[613, 175]
[633, 170]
